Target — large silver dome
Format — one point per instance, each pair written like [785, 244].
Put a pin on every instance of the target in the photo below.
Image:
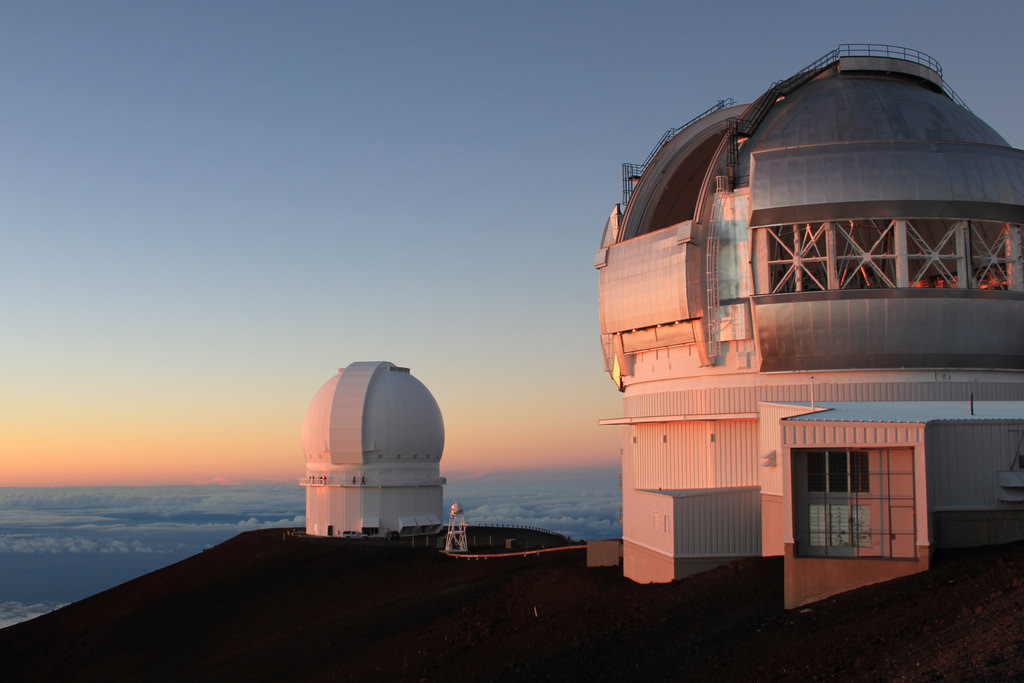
[856, 215]
[863, 144]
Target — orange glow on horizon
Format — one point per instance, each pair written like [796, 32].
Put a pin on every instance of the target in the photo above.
[114, 436]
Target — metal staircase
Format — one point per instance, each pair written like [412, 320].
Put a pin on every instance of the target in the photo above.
[631, 173]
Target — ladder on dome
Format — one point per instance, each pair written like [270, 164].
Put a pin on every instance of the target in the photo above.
[712, 333]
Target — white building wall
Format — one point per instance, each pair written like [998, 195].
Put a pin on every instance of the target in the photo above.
[316, 510]
[332, 508]
[695, 454]
[349, 498]
[671, 455]
[835, 387]
[347, 507]
[770, 441]
[734, 448]
[652, 521]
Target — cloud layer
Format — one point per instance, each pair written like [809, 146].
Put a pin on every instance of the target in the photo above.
[58, 545]
[12, 612]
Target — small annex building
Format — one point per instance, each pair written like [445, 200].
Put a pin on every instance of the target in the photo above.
[372, 437]
[813, 305]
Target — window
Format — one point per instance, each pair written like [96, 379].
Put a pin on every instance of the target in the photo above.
[854, 503]
[887, 254]
[837, 471]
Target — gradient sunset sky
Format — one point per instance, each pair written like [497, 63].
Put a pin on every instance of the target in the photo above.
[209, 207]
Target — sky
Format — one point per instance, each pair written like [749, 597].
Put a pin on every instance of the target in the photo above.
[208, 207]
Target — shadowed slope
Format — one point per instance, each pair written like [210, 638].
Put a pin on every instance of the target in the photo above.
[264, 605]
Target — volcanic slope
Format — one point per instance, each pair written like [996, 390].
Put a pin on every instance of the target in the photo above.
[267, 605]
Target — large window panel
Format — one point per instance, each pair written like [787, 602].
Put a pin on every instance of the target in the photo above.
[854, 503]
[891, 253]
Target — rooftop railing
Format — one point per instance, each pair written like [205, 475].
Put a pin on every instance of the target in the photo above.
[891, 51]
[745, 125]
[631, 173]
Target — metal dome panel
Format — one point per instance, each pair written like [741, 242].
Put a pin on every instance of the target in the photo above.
[845, 147]
[896, 328]
[372, 408]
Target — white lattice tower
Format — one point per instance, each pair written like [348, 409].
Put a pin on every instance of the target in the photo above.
[456, 540]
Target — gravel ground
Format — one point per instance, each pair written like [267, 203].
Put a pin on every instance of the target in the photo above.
[267, 605]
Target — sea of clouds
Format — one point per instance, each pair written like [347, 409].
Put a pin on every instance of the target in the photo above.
[59, 545]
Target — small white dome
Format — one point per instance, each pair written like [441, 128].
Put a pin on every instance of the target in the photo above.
[373, 411]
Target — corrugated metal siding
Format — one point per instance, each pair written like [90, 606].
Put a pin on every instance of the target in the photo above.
[736, 460]
[798, 434]
[718, 523]
[963, 461]
[732, 400]
[670, 456]
[728, 400]
[682, 455]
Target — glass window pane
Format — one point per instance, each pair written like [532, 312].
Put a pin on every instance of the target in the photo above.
[837, 472]
[861, 525]
[859, 482]
[816, 517]
[839, 525]
[816, 471]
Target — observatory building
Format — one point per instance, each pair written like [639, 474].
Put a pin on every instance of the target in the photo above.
[814, 308]
[373, 437]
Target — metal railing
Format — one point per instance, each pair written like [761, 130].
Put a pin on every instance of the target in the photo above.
[745, 125]
[892, 51]
[372, 479]
[631, 173]
[517, 526]
[897, 52]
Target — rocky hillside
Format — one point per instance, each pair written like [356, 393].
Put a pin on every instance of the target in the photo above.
[269, 606]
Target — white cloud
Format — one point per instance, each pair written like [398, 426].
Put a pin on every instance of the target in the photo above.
[580, 504]
[13, 612]
[105, 535]
[67, 544]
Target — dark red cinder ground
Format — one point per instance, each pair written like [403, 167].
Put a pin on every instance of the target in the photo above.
[270, 606]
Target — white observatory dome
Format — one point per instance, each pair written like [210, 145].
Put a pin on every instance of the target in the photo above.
[373, 412]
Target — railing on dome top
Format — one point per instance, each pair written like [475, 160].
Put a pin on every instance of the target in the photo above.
[631, 173]
[896, 52]
[745, 125]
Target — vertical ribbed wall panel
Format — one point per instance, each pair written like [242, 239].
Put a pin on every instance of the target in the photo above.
[735, 453]
[682, 455]
[733, 400]
[963, 461]
[720, 523]
[688, 450]
[869, 435]
[671, 455]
